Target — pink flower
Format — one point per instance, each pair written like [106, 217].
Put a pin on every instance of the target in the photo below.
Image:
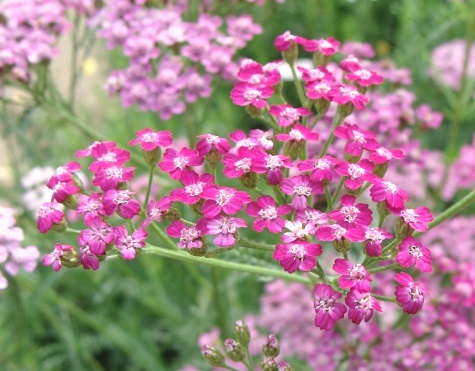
[88, 259]
[336, 232]
[65, 172]
[48, 216]
[240, 138]
[297, 134]
[88, 151]
[240, 163]
[373, 240]
[98, 237]
[328, 311]
[226, 229]
[350, 215]
[176, 162]
[412, 252]
[288, 115]
[110, 177]
[389, 192]
[350, 63]
[300, 187]
[382, 155]
[156, 210]
[149, 140]
[108, 157]
[267, 214]
[352, 275]
[417, 218]
[365, 77]
[194, 186]
[286, 40]
[319, 90]
[357, 139]
[191, 237]
[62, 189]
[228, 200]
[356, 174]
[122, 202]
[311, 217]
[409, 294]
[297, 255]
[347, 94]
[91, 207]
[264, 138]
[361, 306]
[54, 257]
[321, 168]
[253, 73]
[244, 94]
[128, 245]
[428, 118]
[298, 231]
[327, 46]
[317, 74]
[209, 143]
[272, 165]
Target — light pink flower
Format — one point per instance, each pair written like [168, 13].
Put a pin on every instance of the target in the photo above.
[225, 228]
[149, 139]
[297, 255]
[267, 214]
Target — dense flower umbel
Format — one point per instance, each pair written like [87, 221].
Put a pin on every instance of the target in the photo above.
[294, 180]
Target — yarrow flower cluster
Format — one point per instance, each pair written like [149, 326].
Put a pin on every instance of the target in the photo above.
[171, 61]
[285, 183]
[13, 256]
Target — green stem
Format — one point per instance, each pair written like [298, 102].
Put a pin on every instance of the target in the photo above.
[337, 120]
[298, 84]
[219, 304]
[149, 185]
[256, 245]
[384, 268]
[390, 299]
[183, 256]
[328, 197]
[338, 189]
[71, 230]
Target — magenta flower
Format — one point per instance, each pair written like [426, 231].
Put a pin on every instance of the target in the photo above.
[286, 40]
[98, 237]
[365, 77]
[194, 184]
[328, 311]
[327, 46]
[111, 177]
[347, 94]
[316, 74]
[48, 216]
[336, 232]
[350, 63]
[264, 138]
[350, 215]
[373, 240]
[297, 134]
[244, 94]
[428, 118]
[298, 231]
[272, 165]
[254, 73]
[361, 306]
[417, 218]
[382, 155]
[409, 294]
[225, 228]
[228, 200]
[191, 237]
[288, 115]
[352, 275]
[108, 157]
[128, 245]
[88, 259]
[311, 217]
[176, 162]
[93, 147]
[122, 202]
[91, 207]
[240, 163]
[300, 187]
[62, 189]
[65, 172]
[386, 191]
[357, 139]
[321, 168]
[412, 252]
[149, 139]
[209, 143]
[319, 90]
[54, 257]
[267, 214]
[356, 174]
[156, 210]
[297, 255]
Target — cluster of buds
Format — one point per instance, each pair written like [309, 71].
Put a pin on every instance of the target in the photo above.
[287, 184]
[238, 352]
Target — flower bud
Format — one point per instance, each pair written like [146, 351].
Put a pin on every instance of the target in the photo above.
[249, 180]
[234, 350]
[212, 356]
[285, 366]
[271, 348]
[322, 106]
[346, 109]
[342, 245]
[152, 157]
[291, 54]
[172, 214]
[199, 251]
[269, 364]
[254, 112]
[71, 202]
[380, 169]
[60, 227]
[70, 259]
[213, 158]
[242, 333]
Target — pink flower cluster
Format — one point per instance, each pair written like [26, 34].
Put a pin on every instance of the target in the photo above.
[13, 256]
[29, 31]
[171, 61]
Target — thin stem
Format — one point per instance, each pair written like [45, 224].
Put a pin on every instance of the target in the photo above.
[298, 85]
[337, 120]
[149, 185]
[338, 189]
[390, 299]
[384, 268]
[256, 245]
[183, 256]
[328, 197]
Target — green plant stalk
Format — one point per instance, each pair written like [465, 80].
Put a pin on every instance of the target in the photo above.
[384, 268]
[298, 85]
[185, 257]
[256, 245]
[149, 185]
[337, 120]
[390, 299]
[338, 189]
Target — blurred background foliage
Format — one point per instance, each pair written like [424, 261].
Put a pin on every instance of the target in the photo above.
[147, 314]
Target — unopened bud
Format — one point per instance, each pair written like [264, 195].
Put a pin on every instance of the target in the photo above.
[172, 214]
[284, 366]
[212, 356]
[269, 364]
[249, 180]
[292, 53]
[60, 227]
[271, 348]
[342, 245]
[254, 112]
[234, 350]
[152, 157]
[213, 158]
[242, 333]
